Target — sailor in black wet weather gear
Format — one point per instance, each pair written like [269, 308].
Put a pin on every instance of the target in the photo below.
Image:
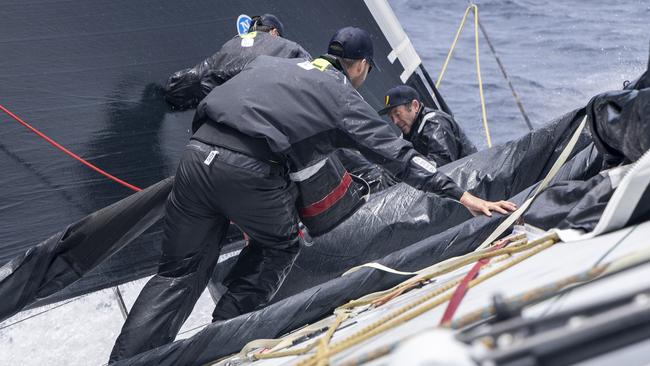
[262, 138]
[187, 87]
[433, 133]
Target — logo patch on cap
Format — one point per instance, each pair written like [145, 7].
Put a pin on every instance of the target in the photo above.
[387, 100]
[243, 24]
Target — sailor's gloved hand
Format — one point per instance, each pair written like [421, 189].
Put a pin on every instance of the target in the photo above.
[478, 206]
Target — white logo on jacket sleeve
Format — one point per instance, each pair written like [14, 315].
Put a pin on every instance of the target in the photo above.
[425, 164]
[306, 65]
[247, 42]
[210, 157]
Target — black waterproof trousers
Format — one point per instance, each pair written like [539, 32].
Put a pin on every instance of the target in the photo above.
[214, 185]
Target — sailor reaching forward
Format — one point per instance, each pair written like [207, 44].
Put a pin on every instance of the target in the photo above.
[187, 87]
[273, 124]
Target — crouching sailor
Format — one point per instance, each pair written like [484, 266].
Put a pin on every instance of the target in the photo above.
[433, 133]
[273, 125]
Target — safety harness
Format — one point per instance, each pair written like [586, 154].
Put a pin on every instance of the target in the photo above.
[328, 192]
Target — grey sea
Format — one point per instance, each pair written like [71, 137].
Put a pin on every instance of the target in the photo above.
[558, 55]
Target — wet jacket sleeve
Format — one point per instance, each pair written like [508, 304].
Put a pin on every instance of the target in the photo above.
[187, 87]
[380, 143]
[215, 70]
[376, 176]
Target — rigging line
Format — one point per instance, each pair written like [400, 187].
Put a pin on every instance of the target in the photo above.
[611, 249]
[37, 314]
[117, 293]
[555, 300]
[68, 152]
[116, 290]
[474, 8]
[120, 302]
[412, 310]
[478, 76]
[462, 288]
[194, 328]
[453, 47]
[505, 75]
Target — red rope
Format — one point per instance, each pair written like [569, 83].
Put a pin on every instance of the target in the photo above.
[70, 153]
[461, 289]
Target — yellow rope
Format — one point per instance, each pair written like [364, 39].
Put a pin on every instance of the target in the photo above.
[323, 345]
[515, 246]
[474, 8]
[448, 266]
[293, 352]
[342, 315]
[478, 75]
[518, 244]
[453, 47]
[401, 316]
[526, 298]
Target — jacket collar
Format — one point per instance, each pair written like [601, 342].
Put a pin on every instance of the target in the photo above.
[417, 122]
[334, 61]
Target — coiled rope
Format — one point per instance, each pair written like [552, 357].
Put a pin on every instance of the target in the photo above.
[418, 307]
[597, 272]
[439, 296]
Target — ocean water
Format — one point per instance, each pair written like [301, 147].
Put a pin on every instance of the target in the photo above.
[558, 54]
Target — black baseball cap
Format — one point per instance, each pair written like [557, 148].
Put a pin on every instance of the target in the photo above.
[352, 43]
[269, 20]
[398, 95]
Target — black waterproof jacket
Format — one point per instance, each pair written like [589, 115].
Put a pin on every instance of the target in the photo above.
[304, 111]
[437, 136]
[187, 87]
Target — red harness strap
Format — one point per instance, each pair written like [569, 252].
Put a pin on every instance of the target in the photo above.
[328, 201]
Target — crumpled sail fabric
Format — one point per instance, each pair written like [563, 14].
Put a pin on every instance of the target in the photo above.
[619, 121]
[401, 215]
[575, 198]
[66, 256]
[389, 221]
[227, 337]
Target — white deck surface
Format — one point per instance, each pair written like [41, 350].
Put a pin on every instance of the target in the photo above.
[82, 331]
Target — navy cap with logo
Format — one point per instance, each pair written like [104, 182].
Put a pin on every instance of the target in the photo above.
[399, 95]
[268, 20]
[352, 43]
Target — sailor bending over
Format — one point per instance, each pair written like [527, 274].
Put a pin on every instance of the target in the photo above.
[187, 87]
[273, 124]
